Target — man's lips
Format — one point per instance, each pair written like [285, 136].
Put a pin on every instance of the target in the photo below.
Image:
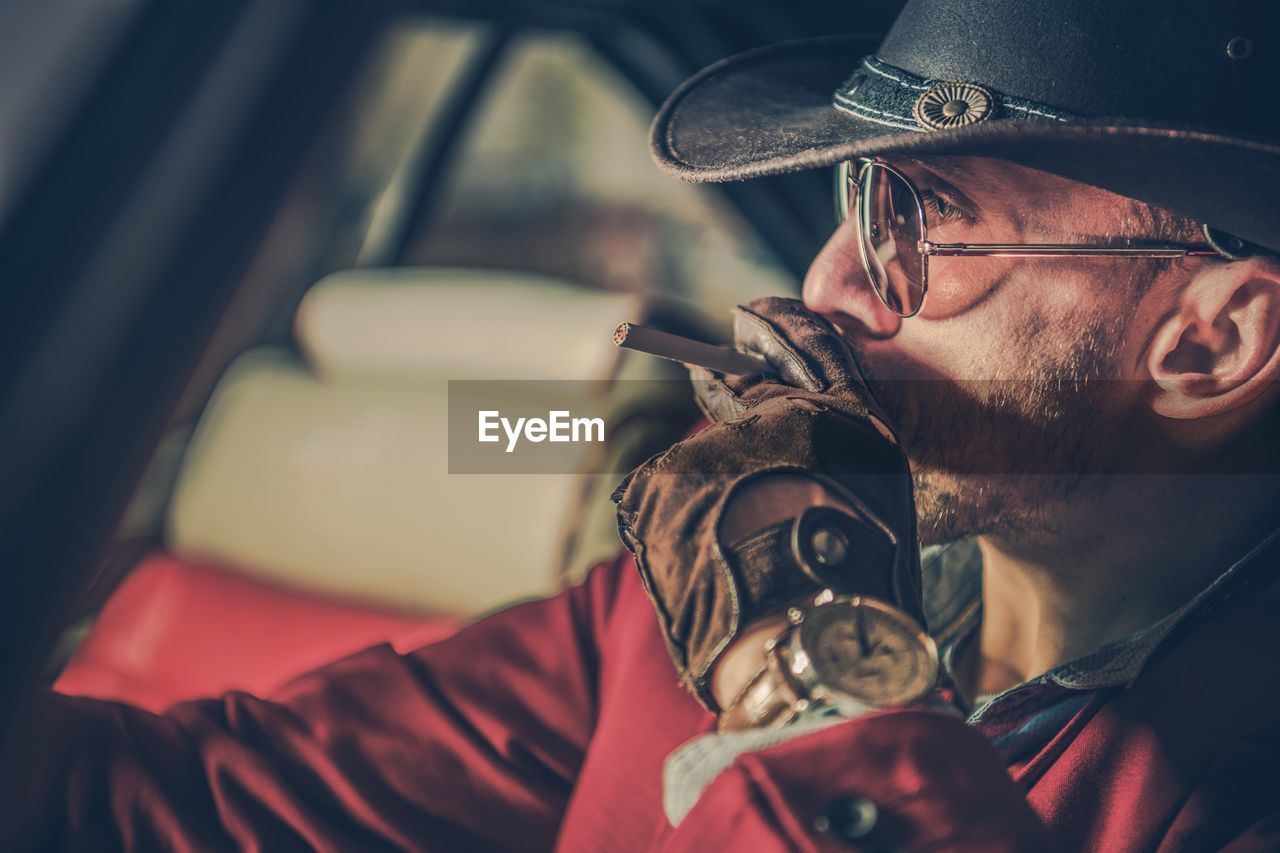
[893, 397]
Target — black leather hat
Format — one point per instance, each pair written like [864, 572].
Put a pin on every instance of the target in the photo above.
[1174, 102]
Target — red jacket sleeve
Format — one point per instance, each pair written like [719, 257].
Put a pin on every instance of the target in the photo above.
[897, 780]
[473, 742]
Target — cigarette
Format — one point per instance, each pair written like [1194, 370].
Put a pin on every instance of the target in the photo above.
[688, 351]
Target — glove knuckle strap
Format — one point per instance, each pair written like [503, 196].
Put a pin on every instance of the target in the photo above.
[757, 334]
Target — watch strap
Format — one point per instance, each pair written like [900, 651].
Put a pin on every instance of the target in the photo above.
[768, 703]
[768, 699]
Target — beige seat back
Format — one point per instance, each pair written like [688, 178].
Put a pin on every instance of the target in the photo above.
[329, 473]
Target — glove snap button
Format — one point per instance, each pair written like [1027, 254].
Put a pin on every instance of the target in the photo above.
[830, 545]
[849, 818]
[822, 542]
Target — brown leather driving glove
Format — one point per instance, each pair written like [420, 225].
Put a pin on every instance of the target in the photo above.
[816, 419]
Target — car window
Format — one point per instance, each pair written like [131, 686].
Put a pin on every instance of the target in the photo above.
[553, 176]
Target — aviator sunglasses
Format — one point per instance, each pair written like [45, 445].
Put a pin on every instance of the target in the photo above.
[895, 245]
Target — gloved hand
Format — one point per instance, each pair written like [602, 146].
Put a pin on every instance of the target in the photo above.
[817, 420]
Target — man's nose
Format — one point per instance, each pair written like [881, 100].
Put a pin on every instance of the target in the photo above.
[837, 287]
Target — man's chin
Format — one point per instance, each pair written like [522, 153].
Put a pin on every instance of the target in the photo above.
[951, 507]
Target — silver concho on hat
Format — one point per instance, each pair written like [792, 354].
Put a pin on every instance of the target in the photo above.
[946, 105]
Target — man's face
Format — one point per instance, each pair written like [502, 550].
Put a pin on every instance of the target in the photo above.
[996, 386]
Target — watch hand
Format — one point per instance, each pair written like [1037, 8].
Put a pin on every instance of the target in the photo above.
[863, 643]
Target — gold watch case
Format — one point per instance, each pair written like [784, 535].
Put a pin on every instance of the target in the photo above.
[855, 652]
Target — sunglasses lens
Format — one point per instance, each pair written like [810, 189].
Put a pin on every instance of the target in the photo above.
[892, 226]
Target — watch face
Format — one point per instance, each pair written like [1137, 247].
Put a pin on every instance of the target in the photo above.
[869, 650]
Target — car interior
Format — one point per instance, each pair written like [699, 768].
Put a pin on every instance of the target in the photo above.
[245, 248]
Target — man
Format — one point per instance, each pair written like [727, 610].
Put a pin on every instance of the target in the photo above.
[1024, 303]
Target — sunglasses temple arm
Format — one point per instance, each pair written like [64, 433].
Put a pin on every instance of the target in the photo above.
[1061, 250]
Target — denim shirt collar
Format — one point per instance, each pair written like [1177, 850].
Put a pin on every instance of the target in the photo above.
[952, 580]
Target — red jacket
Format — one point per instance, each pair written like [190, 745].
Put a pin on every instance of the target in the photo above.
[548, 723]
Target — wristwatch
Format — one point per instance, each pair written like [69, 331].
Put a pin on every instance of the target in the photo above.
[847, 652]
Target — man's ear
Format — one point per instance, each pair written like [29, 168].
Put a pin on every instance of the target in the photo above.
[1218, 349]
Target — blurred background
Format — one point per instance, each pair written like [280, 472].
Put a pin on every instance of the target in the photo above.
[244, 246]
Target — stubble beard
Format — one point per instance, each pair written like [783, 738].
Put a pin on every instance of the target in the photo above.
[1011, 457]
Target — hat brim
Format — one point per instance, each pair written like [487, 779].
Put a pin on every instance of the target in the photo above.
[769, 111]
